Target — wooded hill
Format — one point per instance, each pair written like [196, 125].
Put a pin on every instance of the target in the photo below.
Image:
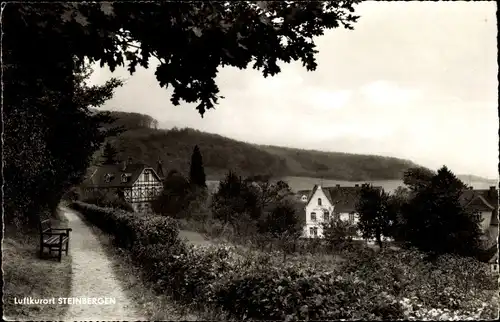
[143, 142]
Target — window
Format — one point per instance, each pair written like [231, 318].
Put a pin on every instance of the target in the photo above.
[336, 216]
[351, 218]
[146, 175]
[304, 198]
[326, 216]
[313, 216]
[124, 178]
[319, 201]
[313, 232]
[107, 177]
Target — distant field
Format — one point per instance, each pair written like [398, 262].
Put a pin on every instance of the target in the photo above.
[305, 183]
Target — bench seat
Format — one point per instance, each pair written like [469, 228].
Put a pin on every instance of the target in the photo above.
[53, 238]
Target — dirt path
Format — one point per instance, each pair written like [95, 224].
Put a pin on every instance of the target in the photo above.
[93, 277]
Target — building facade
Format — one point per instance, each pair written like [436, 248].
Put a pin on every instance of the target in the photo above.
[137, 184]
[324, 203]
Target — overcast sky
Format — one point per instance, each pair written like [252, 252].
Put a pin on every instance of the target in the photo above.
[415, 80]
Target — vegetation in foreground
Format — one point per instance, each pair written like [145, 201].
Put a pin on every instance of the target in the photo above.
[25, 275]
[153, 306]
[369, 285]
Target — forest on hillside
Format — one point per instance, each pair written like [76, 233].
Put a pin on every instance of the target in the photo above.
[143, 142]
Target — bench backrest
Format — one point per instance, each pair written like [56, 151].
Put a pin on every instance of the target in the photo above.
[45, 225]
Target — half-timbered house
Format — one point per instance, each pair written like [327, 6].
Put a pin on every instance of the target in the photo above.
[137, 183]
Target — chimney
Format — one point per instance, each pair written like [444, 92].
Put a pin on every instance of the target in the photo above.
[124, 165]
[492, 191]
[356, 185]
[338, 186]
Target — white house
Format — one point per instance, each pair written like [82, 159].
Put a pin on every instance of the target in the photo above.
[485, 202]
[325, 202]
[138, 184]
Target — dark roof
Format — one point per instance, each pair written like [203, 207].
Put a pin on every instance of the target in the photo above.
[343, 198]
[482, 200]
[98, 178]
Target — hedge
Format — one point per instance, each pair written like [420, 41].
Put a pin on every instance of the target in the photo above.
[257, 286]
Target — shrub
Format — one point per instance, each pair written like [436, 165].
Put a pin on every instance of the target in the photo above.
[130, 229]
[246, 284]
[108, 200]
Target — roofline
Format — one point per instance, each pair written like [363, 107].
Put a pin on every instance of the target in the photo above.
[486, 203]
[104, 187]
[147, 168]
[313, 191]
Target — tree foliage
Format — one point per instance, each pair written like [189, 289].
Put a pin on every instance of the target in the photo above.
[437, 222]
[233, 199]
[207, 35]
[49, 136]
[418, 178]
[197, 172]
[338, 233]
[175, 197]
[375, 214]
[44, 44]
[282, 219]
[109, 154]
[253, 197]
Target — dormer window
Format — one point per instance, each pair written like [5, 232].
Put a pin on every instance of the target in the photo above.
[304, 198]
[319, 201]
[108, 177]
[124, 178]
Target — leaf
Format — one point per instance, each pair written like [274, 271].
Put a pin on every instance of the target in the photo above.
[67, 15]
[82, 20]
[197, 31]
[262, 4]
[107, 8]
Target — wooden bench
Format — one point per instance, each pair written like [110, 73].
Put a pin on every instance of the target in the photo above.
[53, 238]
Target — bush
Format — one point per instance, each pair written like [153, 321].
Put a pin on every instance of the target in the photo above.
[448, 283]
[246, 284]
[108, 200]
[130, 229]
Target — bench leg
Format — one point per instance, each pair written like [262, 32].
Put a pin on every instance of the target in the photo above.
[60, 253]
[41, 250]
[67, 247]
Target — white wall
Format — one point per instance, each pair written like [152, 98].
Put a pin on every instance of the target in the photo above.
[141, 183]
[486, 219]
[314, 207]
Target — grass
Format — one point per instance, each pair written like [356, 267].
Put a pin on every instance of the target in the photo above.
[193, 237]
[26, 275]
[152, 306]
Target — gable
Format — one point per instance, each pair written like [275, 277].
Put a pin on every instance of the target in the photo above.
[318, 193]
[141, 176]
[479, 203]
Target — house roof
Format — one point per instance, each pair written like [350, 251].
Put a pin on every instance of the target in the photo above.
[98, 178]
[482, 200]
[343, 198]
